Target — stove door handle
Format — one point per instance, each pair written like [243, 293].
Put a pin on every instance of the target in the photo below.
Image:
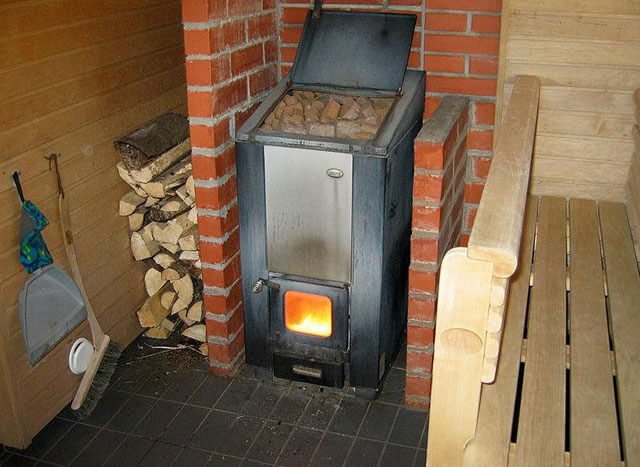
[260, 283]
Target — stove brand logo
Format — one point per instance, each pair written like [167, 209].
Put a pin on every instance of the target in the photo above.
[335, 173]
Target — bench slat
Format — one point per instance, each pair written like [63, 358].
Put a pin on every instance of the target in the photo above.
[623, 283]
[491, 445]
[594, 430]
[542, 414]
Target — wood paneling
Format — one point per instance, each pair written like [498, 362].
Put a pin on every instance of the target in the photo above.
[633, 186]
[587, 56]
[75, 74]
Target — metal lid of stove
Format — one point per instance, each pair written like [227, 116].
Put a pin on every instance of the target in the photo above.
[358, 51]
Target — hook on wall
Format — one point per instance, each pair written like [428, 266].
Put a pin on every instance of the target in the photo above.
[16, 181]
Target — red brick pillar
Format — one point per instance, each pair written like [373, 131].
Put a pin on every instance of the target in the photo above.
[231, 54]
[438, 190]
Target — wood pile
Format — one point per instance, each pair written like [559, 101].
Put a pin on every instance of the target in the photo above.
[328, 115]
[164, 235]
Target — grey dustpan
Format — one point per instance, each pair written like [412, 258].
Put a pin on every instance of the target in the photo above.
[50, 307]
[50, 303]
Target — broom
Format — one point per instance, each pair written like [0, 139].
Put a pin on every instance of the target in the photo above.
[104, 359]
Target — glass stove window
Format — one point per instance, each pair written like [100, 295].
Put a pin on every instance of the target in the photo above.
[307, 313]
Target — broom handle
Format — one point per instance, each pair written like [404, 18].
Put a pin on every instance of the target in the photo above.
[97, 333]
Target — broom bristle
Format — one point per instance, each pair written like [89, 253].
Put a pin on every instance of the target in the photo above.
[101, 381]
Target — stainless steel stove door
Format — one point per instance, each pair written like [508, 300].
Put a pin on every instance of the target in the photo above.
[308, 199]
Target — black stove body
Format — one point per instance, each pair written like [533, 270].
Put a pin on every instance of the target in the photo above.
[325, 222]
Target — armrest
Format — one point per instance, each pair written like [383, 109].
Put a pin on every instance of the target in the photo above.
[497, 229]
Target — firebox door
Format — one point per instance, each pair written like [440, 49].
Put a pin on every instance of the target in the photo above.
[308, 212]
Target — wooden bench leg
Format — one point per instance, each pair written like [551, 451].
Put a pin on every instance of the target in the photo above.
[463, 306]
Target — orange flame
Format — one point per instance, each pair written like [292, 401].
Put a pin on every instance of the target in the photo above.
[307, 313]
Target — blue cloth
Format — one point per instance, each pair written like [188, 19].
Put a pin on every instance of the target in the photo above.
[34, 253]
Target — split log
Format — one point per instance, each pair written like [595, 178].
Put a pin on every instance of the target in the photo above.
[168, 298]
[193, 215]
[151, 201]
[153, 281]
[195, 312]
[189, 255]
[176, 175]
[167, 210]
[138, 218]
[170, 247]
[126, 176]
[171, 274]
[196, 332]
[152, 312]
[183, 315]
[129, 203]
[164, 260]
[141, 248]
[184, 289]
[190, 185]
[162, 163]
[157, 332]
[204, 349]
[189, 239]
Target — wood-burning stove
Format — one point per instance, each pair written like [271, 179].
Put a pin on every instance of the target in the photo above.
[325, 217]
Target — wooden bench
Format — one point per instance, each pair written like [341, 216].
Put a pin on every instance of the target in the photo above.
[537, 347]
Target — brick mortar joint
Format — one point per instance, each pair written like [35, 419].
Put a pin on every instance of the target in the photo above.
[423, 295]
[214, 23]
[421, 323]
[425, 349]
[419, 374]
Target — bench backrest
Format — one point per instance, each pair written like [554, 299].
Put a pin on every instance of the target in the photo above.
[474, 282]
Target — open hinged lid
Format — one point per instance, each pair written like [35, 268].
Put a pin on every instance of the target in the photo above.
[353, 51]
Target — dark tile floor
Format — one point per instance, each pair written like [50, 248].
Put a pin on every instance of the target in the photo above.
[164, 408]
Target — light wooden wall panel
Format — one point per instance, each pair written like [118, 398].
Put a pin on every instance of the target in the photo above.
[587, 56]
[633, 187]
[75, 75]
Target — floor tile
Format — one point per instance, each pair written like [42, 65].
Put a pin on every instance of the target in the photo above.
[378, 421]
[160, 454]
[184, 425]
[227, 433]
[16, 460]
[130, 453]
[158, 384]
[209, 391]
[237, 395]
[133, 377]
[408, 427]
[263, 400]
[270, 441]
[300, 447]
[348, 416]
[47, 438]
[184, 386]
[74, 441]
[320, 410]
[421, 458]
[393, 388]
[192, 458]
[157, 419]
[219, 460]
[131, 413]
[102, 445]
[397, 456]
[365, 453]
[332, 451]
[291, 406]
[111, 402]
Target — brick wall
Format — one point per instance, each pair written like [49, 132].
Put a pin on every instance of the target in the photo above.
[438, 190]
[231, 55]
[456, 43]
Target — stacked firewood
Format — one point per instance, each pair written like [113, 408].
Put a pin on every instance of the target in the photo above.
[328, 115]
[164, 235]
